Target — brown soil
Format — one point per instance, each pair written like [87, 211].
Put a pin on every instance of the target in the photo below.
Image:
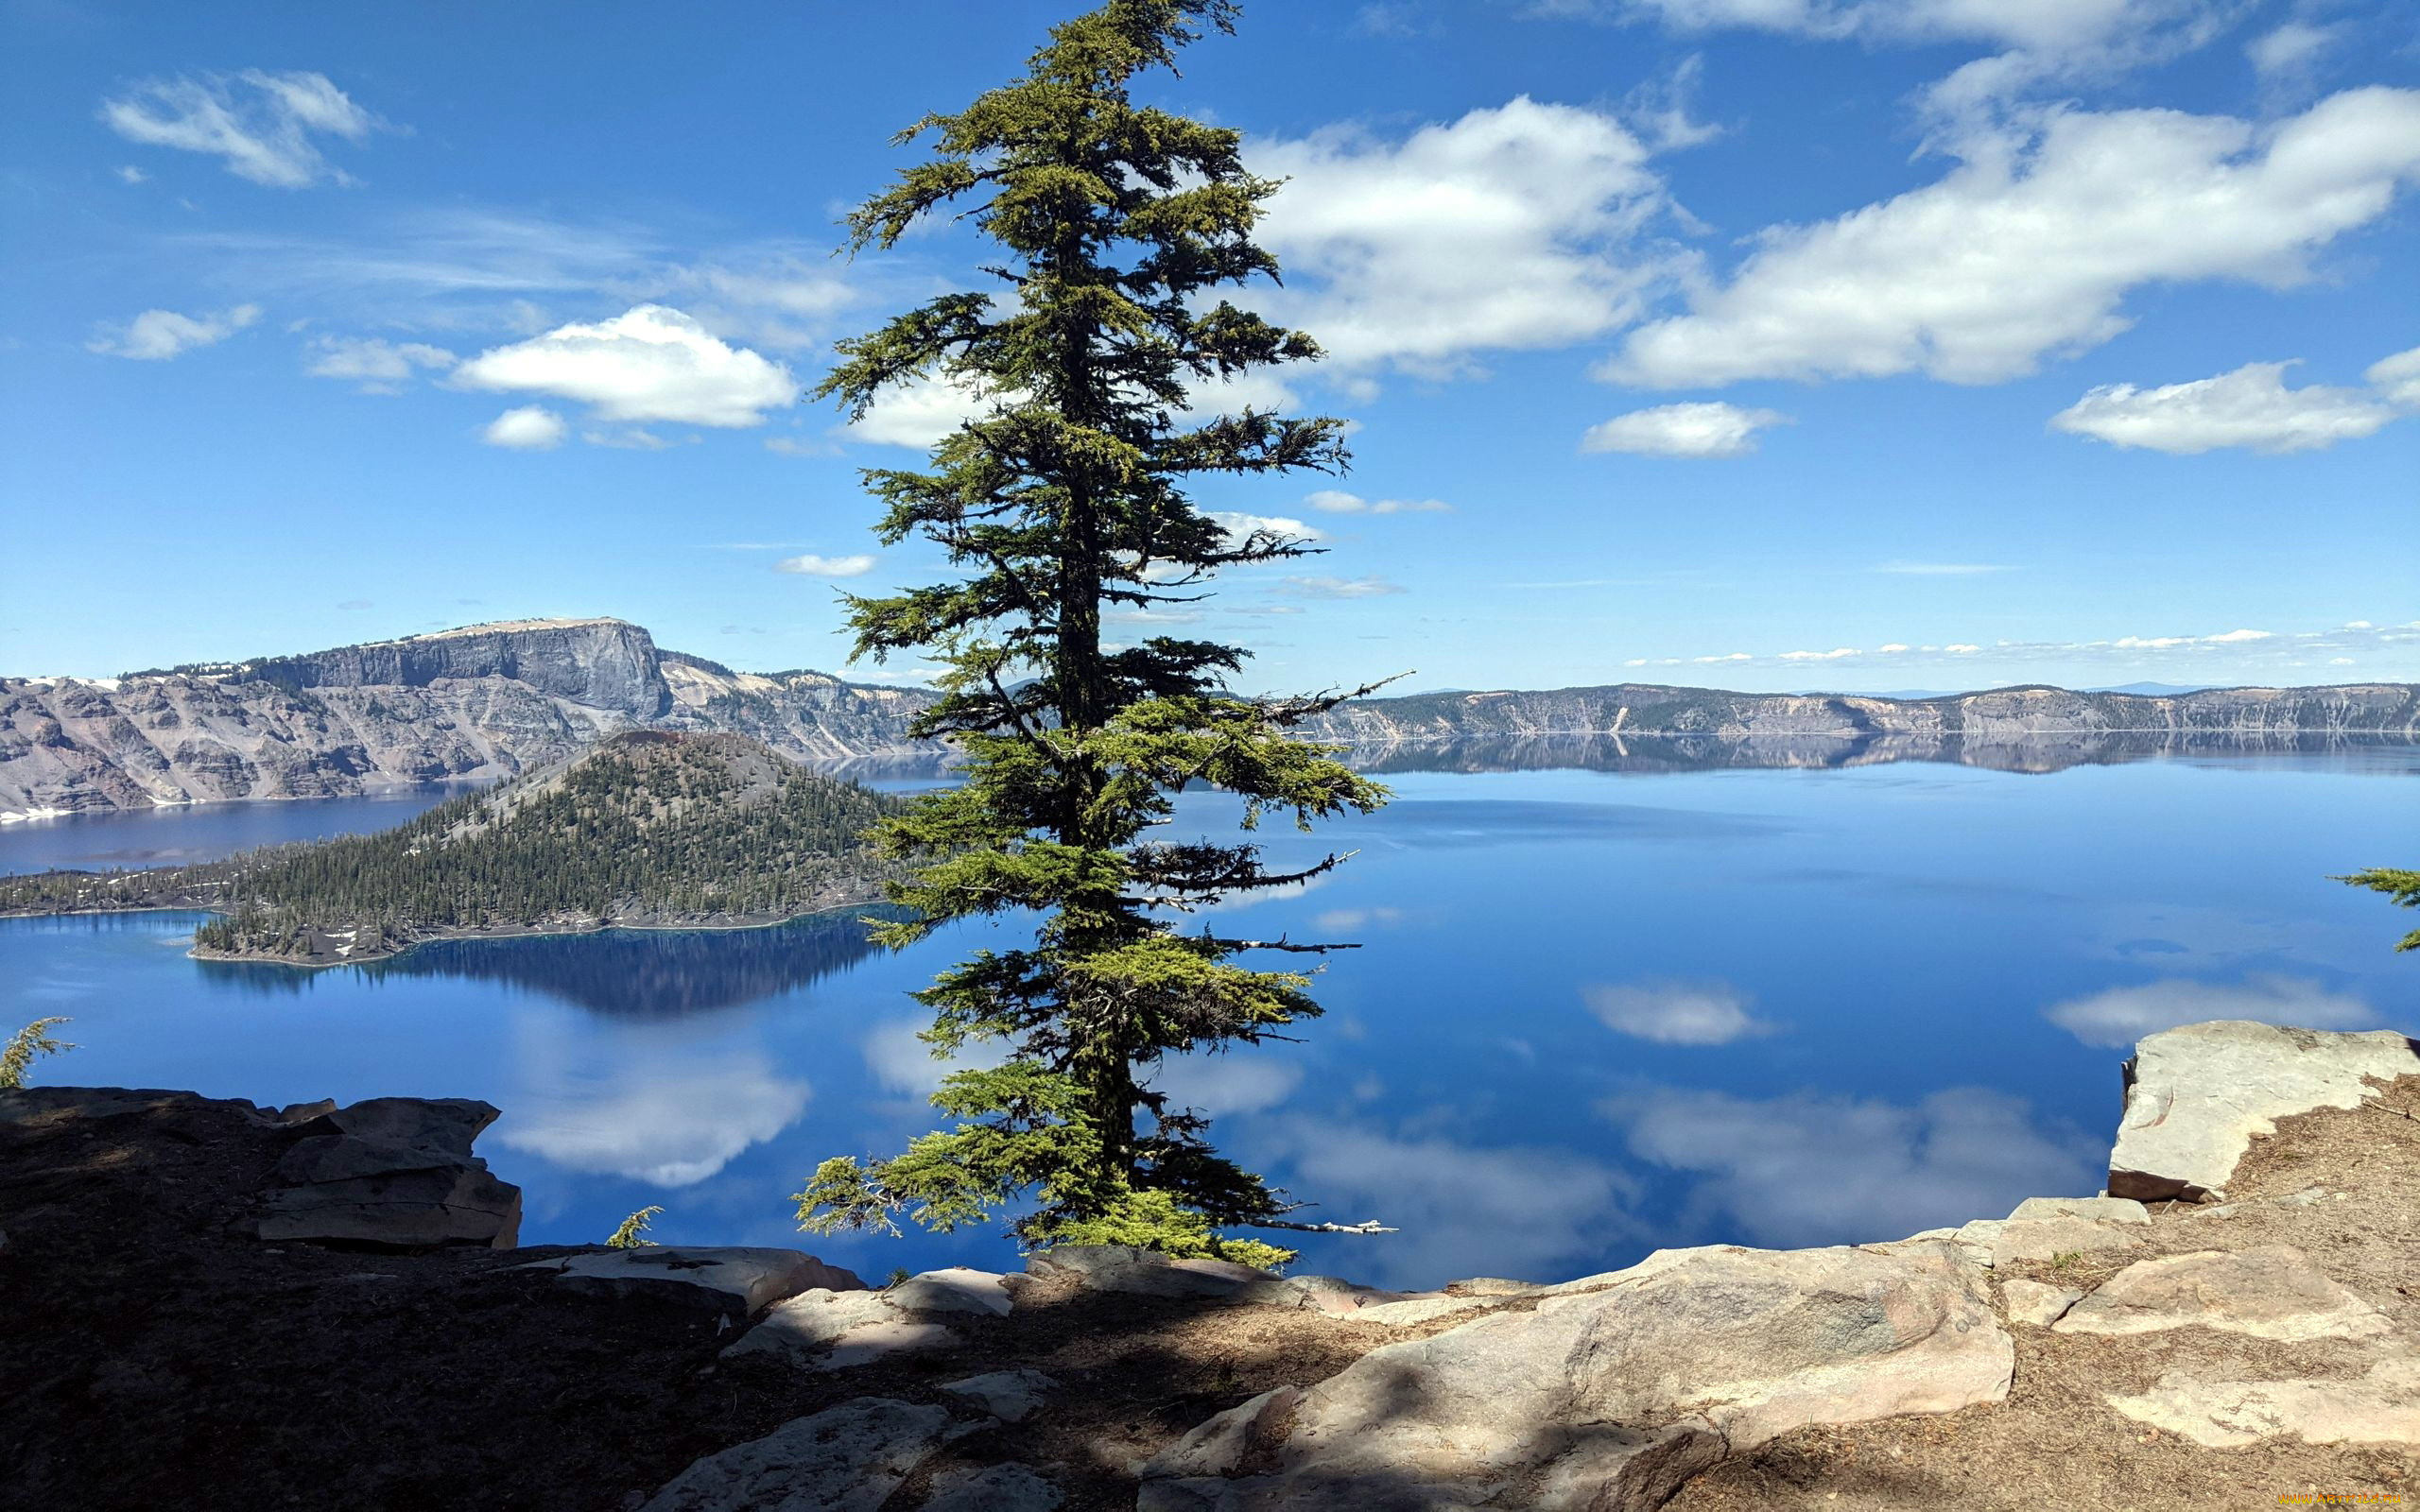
[155, 1358]
[2056, 1443]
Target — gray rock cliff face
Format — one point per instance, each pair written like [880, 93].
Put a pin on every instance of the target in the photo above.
[476, 704]
[488, 701]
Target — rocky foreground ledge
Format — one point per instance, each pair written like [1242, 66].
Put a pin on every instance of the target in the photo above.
[211, 1304]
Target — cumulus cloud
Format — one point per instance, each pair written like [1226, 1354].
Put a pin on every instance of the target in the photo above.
[811, 565]
[2121, 1015]
[1811, 1169]
[1239, 525]
[1463, 1209]
[261, 124]
[155, 335]
[645, 1104]
[2291, 51]
[1336, 501]
[1507, 228]
[2030, 246]
[652, 363]
[2249, 407]
[921, 414]
[1228, 1082]
[527, 428]
[1677, 1013]
[2066, 25]
[1316, 587]
[2397, 378]
[372, 364]
[1710, 429]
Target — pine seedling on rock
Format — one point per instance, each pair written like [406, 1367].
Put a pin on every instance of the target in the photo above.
[29, 1043]
[1062, 499]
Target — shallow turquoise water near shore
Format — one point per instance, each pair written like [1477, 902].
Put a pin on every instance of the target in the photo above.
[1593, 1013]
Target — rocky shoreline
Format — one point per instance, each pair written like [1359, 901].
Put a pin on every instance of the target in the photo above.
[2239, 1317]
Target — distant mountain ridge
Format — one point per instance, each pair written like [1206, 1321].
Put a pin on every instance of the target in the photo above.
[477, 703]
[488, 701]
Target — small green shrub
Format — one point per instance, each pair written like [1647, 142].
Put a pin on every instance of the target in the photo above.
[32, 1042]
[632, 1234]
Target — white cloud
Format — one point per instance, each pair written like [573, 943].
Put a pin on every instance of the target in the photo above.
[1705, 429]
[2122, 1015]
[652, 363]
[814, 566]
[1941, 569]
[131, 174]
[920, 413]
[1810, 1169]
[1840, 654]
[1507, 228]
[2029, 247]
[155, 335]
[261, 124]
[646, 1103]
[1313, 587]
[793, 446]
[2249, 407]
[1336, 501]
[528, 428]
[378, 366]
[1341, 921]
[2291, 49]
[1239, 525]
[1677, 1013]
[2397, 378]
[1226, 1083]
[901, 1062]
[1462, 1210]
[2234, 652]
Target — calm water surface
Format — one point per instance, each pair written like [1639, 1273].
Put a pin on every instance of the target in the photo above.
[1595, 1012]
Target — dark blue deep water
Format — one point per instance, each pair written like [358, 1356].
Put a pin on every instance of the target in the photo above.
[1596, 1012]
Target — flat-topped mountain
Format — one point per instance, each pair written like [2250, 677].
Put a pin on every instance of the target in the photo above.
[651, 829]
[480, 702]
[492, 701]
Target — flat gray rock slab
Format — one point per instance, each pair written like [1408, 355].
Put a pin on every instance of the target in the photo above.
[2099, 1209]
[1142, 1273]
[1000, 1489]
[955, 1290]
[2197, 1096]
[1012, 1396]
[2049, 1238]
[2034, 1304]
[836, 1331]
[848, 1458]
[1608, 1399]
[2382, 1407]
[725, 1279]
[2271, 1292]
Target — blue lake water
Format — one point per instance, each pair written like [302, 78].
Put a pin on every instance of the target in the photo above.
[1594, 1013]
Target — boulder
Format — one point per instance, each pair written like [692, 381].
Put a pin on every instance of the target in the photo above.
[955, 1290]
[1608, 1399]
[996, 1488]
[1143, 1272]
[2196, 1097]
[2049, 1238]
[1012, 1396]
[717, 1279]
[2097, 1210]
[394, 1173]
[2035, 1304]
[2382, 1407]
[847, 1458]
[833, 1331]
[2270, 1292]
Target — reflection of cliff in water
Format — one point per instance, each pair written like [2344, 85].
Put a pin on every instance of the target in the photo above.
[626, 973]
[1647, 754]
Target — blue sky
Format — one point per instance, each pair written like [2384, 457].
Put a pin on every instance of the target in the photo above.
[1858, 344]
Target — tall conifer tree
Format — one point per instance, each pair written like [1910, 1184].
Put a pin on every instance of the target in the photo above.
[1065, 497]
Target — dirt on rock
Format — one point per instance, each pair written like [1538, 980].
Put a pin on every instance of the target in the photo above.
[153, 1355]
[2350, 1188]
